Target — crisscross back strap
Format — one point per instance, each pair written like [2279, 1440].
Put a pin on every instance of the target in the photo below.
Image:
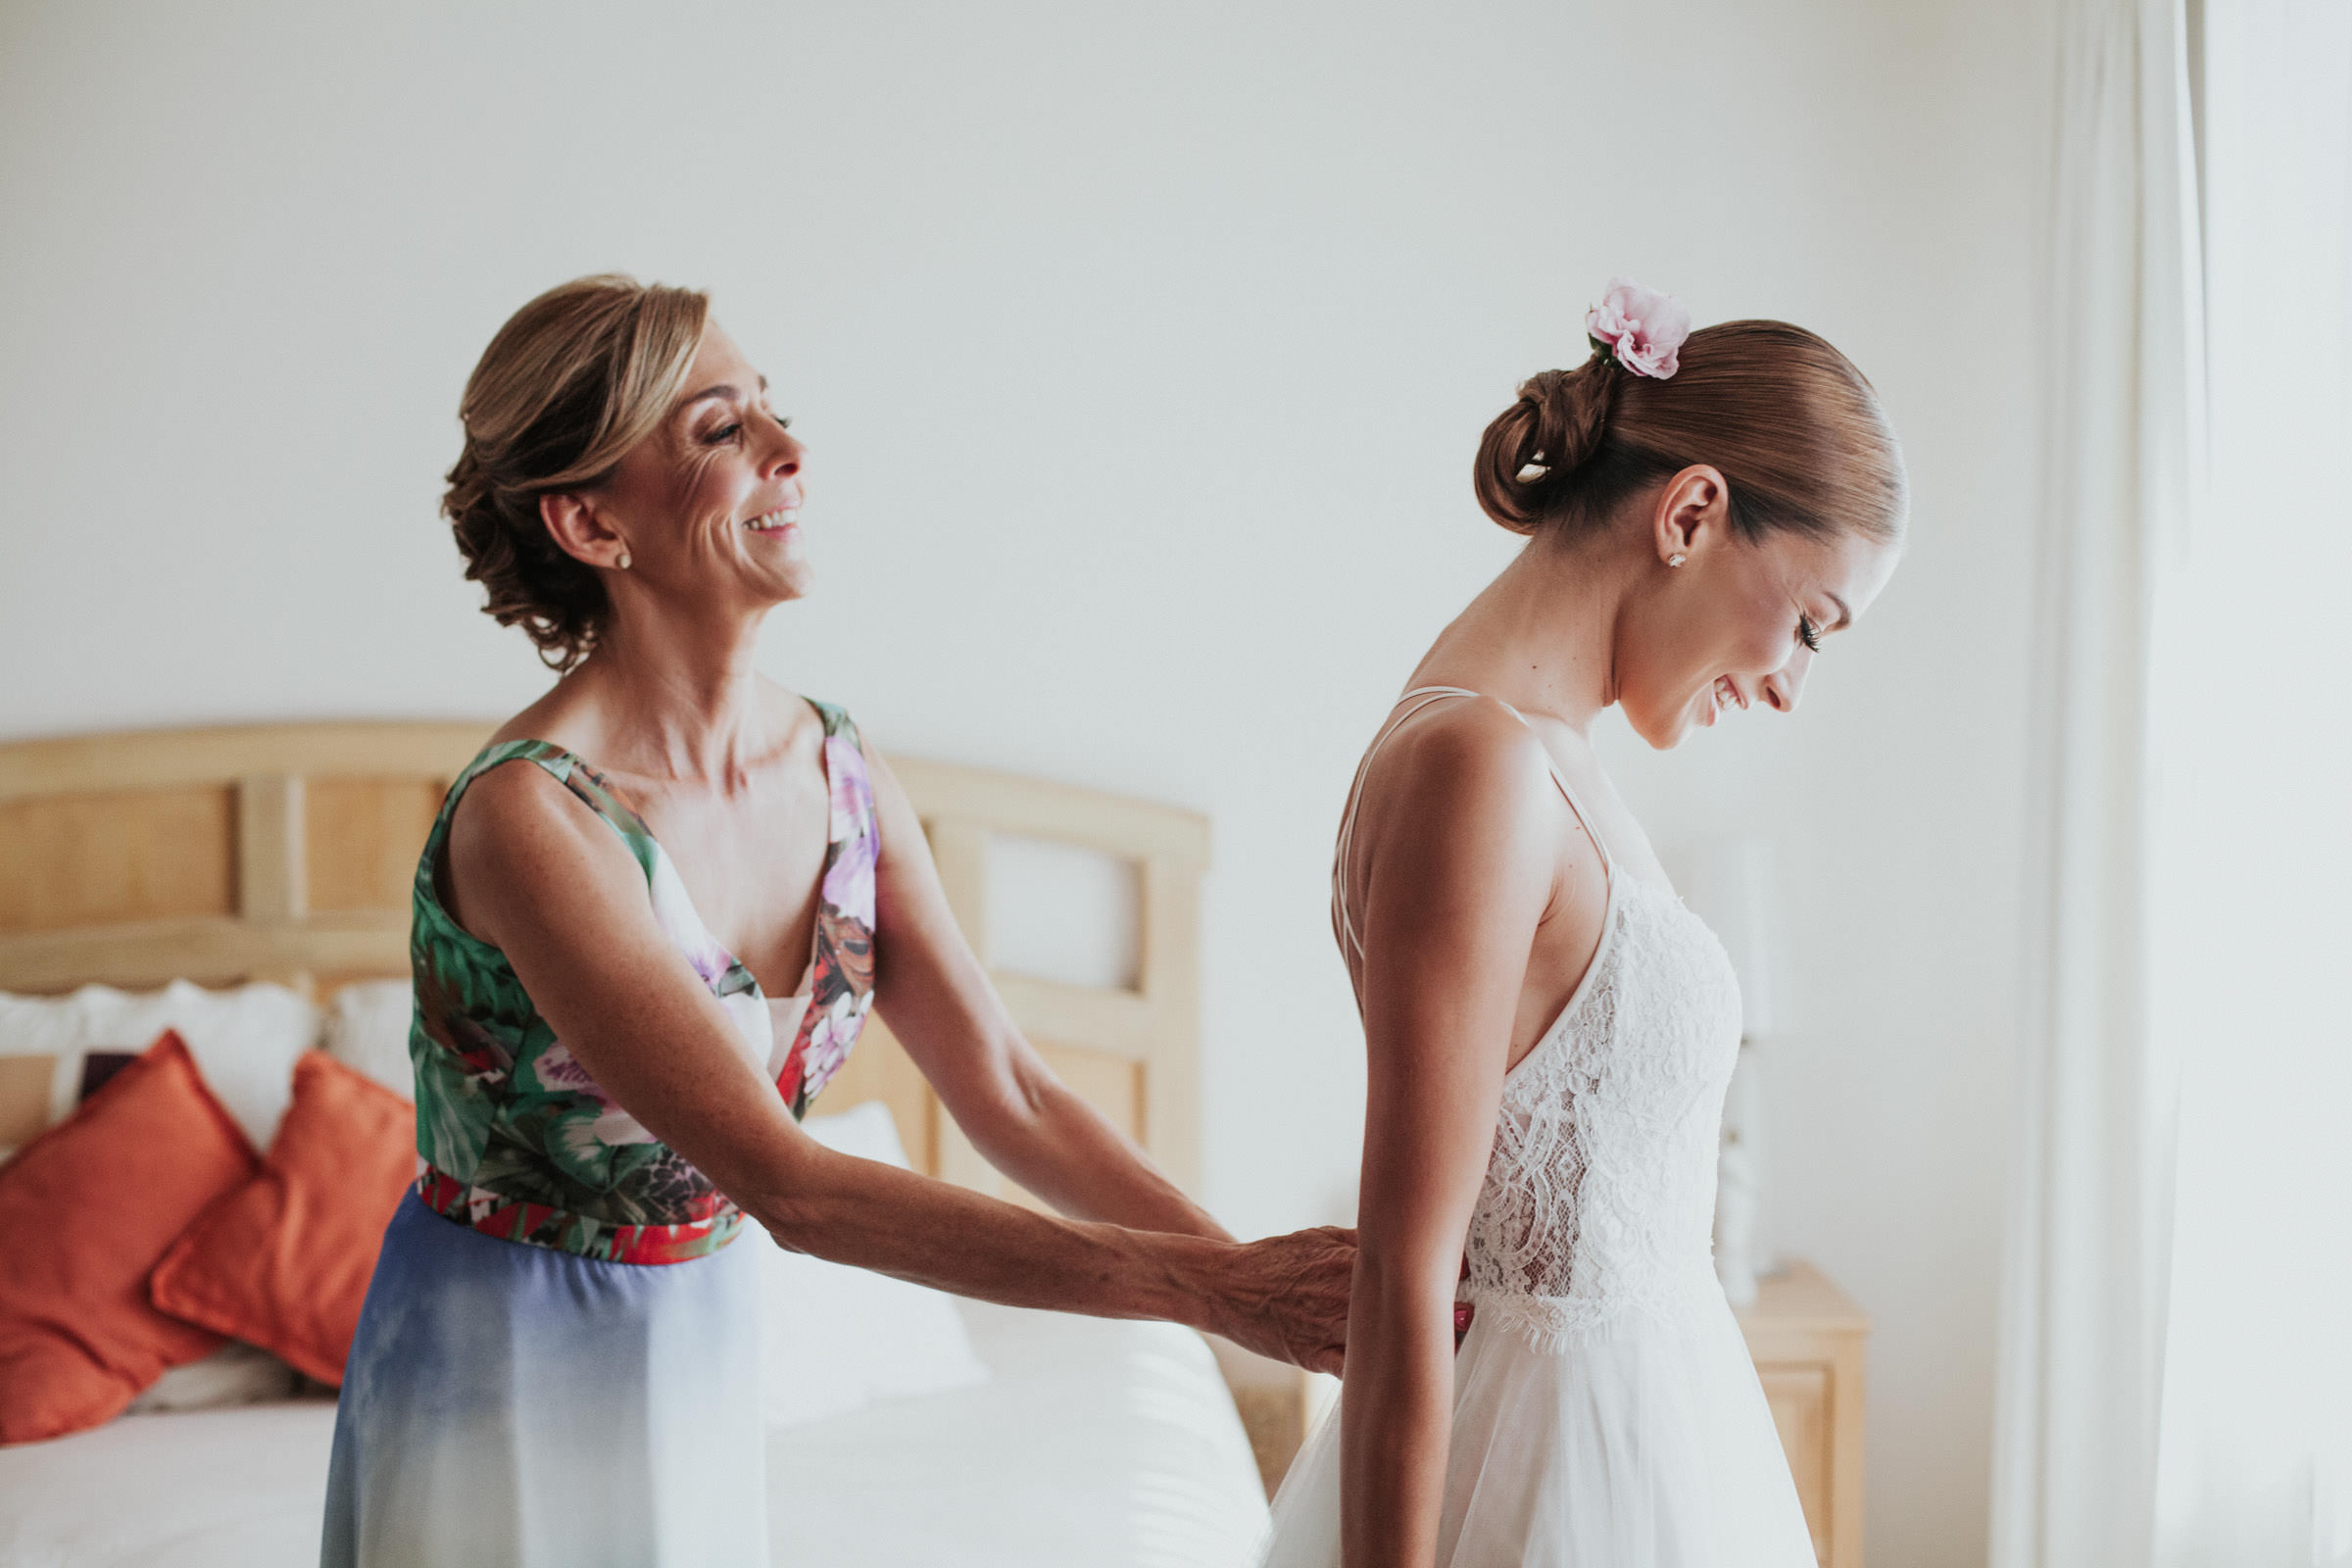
[1425, 696]
[1355, 796]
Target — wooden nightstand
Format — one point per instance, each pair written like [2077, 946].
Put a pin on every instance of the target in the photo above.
[1278, 1402]
[1808, 1338]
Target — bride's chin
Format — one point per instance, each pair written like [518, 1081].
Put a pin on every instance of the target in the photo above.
[1660, 735]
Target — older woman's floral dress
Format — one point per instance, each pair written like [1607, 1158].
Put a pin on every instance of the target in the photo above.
[522, 1386]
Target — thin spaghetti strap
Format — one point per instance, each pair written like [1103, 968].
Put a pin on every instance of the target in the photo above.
[1355, 796]
[1608, 869]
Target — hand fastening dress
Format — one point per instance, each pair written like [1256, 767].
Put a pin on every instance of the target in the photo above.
[1606, 1414]
[557, 1362]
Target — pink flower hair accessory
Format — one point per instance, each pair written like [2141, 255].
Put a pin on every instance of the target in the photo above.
[1639, 329]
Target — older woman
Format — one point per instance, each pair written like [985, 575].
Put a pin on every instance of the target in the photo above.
[650, 921]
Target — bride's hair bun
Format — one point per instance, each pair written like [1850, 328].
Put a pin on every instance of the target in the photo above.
[1529, 457]
[1796, 431]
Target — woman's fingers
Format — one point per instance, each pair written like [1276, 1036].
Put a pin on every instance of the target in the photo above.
[1288, 1295]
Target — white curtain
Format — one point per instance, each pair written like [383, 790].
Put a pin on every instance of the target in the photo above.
[2254, 892]
[2084, 1308]
[2176, 1361]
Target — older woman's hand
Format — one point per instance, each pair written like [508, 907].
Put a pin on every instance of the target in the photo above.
[1286, 1296]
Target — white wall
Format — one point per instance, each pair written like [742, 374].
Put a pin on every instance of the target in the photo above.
[1143, 352]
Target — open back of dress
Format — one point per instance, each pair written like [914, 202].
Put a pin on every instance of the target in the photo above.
[1606, 1414]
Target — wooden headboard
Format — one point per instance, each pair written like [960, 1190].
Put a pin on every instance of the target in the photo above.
[285, 851]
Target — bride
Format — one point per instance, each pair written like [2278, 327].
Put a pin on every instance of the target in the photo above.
[1549, 1031]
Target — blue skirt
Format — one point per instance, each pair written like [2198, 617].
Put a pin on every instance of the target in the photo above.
[508, 1405]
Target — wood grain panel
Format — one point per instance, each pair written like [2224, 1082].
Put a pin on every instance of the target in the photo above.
[1279, 1406]
[880, 1069]
[210, 951]
[24, 1098]
[1171, 976]
[363, 837]
[1810, 1341]
[1108, 1021]
[160, 758]
[121, 855]
[1007, 802]
[270, 850]
[1799, 1396]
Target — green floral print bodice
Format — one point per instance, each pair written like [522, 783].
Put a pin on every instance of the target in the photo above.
[516, 1139]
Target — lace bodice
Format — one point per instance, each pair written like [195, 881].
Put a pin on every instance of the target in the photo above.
[1600, 1197]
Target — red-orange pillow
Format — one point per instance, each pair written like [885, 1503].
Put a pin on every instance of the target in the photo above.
[85, 1210]
[283, 1262]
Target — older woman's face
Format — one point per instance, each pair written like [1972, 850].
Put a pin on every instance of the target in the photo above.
[708, 505]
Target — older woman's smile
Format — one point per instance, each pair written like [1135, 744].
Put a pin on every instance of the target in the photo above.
[782, 521]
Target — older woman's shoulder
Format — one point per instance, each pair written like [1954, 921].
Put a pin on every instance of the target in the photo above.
[523, 802]
[801, 715]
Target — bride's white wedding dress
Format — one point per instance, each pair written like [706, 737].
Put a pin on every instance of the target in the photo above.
[1606, 1414]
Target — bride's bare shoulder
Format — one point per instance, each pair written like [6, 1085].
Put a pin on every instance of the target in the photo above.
[1462, 768]
[1472, 743]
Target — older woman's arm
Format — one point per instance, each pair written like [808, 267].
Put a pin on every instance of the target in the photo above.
[944, 1011]
[556, 891]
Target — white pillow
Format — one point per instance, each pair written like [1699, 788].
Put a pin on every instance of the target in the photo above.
[834, 1339]
[236, 1373]
[368, 1029]
[245, 1041]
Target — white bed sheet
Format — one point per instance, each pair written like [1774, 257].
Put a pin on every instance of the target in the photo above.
[1095, 1444]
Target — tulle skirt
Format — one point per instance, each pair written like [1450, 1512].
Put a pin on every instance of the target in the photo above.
[507, 1405]
[1642, 1443]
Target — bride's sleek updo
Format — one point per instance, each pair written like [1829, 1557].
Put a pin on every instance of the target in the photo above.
[575, 378]
[1796, 429]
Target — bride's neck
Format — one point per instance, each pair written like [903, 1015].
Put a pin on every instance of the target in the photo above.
[1542, 635]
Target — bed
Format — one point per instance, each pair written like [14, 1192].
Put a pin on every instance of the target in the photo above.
[1093, 1442]
[284, 853]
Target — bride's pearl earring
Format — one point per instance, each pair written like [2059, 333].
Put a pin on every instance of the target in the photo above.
[1675, 559]
[624, 561]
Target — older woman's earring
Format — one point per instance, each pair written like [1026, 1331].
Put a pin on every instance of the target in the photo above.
[1675, 559]
[624, 561]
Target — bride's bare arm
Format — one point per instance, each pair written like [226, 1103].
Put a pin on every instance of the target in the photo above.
[557, 892]
[1459, 872]
[944, 1011]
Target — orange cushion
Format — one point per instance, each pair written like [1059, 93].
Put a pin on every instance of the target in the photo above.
[85, 1210]
[283, 1262]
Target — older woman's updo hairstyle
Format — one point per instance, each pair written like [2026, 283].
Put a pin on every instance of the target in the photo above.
[1797, 431]
[574, 380]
